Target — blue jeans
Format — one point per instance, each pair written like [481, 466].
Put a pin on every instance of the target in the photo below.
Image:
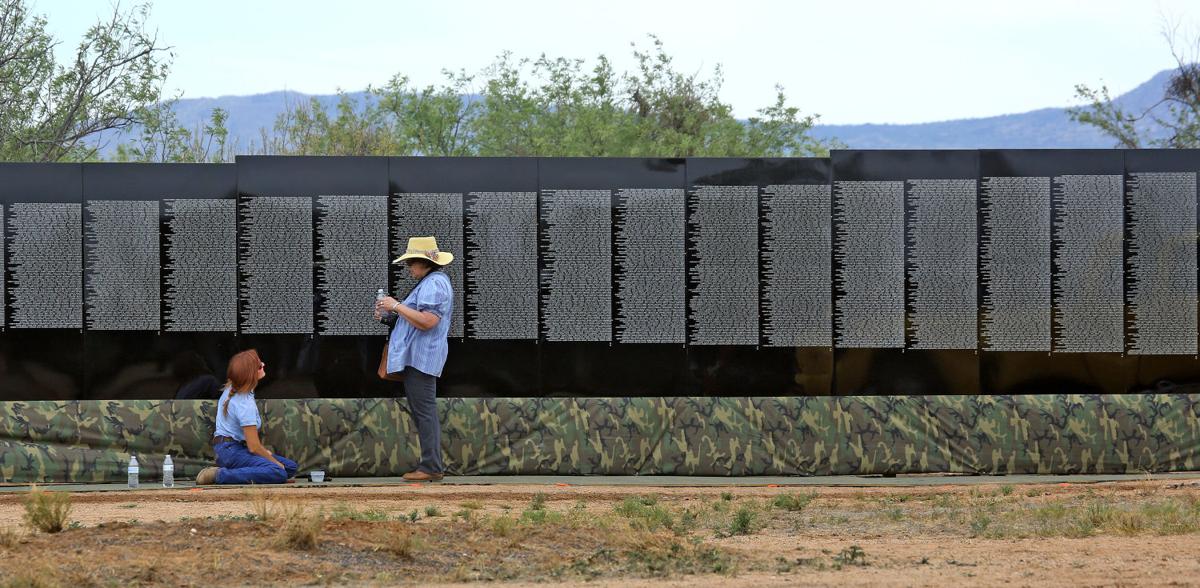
[239, 466]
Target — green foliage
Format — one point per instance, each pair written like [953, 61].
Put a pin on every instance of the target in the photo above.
[159, 138]
[980, 523]
[850, 556]
[345, 512]
[549, 106]
[644, 514]
[52, 111]
[743, 522]
[351, 129]
[47, 511]
[430, 121]
[432, 511]
[248, 517]
[792, 502]
[1108, 117]
[1177, 113]
[667, 558]
[534, 516]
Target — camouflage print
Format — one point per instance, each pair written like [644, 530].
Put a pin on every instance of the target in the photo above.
[90, 441]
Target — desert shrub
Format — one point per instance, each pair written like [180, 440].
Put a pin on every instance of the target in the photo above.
[47, 511]
[850, 556]
[261, 506]
[743, 522]
[792, 502]
[345, 512]
[645, 514]
[503, 526]
[301, 529]
[8, 537]
[31, 579]
[403, 544]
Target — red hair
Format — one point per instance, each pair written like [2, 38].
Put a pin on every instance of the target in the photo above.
[242, 374]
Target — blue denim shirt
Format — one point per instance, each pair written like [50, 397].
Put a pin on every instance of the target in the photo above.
[424, 350]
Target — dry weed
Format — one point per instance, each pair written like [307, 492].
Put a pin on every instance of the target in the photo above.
[503, 526]
[403, 544]
[36, 577]
[301, 529]
[47, 511]
[9, 537]
[261, 505]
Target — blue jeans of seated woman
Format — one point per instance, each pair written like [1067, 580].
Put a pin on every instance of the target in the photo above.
[239, 466]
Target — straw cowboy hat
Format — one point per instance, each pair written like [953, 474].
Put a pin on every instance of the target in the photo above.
[425, 248]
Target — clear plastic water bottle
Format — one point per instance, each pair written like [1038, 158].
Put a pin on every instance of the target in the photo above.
[133, 471]
[168, 472]
[380, 294]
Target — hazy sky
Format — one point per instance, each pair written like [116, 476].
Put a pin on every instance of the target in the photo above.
[894, 61]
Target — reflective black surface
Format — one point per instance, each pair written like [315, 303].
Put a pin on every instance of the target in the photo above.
[307, 365]
[603, 367]
[907, 370]
[38, 363]
[762, 369]
[475, 368]
[142, 363]
[1153, 370]
[135, 360]
[1051, 370]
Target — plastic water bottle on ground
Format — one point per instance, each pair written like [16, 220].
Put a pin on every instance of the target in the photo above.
[133, 471]
[168, 473]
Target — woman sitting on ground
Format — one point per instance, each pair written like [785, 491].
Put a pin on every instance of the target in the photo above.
[241, 457]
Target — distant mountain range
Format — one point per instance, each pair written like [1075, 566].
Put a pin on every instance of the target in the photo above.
[1042, 128]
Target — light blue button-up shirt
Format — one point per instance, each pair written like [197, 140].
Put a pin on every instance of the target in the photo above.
[424, 350]
[242, 412]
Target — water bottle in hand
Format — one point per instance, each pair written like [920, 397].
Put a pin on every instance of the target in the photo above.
[133, 471]
[380, 294]
[168, 473]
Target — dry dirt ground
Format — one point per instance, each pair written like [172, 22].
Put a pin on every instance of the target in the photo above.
[1129, 533]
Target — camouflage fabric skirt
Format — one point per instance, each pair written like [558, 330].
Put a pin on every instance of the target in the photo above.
[91, 441]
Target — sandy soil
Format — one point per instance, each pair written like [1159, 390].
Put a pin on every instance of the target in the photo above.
[906, 536]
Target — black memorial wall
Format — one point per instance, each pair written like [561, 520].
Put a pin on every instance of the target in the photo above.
[871, 272]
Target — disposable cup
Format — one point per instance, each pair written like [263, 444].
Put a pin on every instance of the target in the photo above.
[316, 476]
